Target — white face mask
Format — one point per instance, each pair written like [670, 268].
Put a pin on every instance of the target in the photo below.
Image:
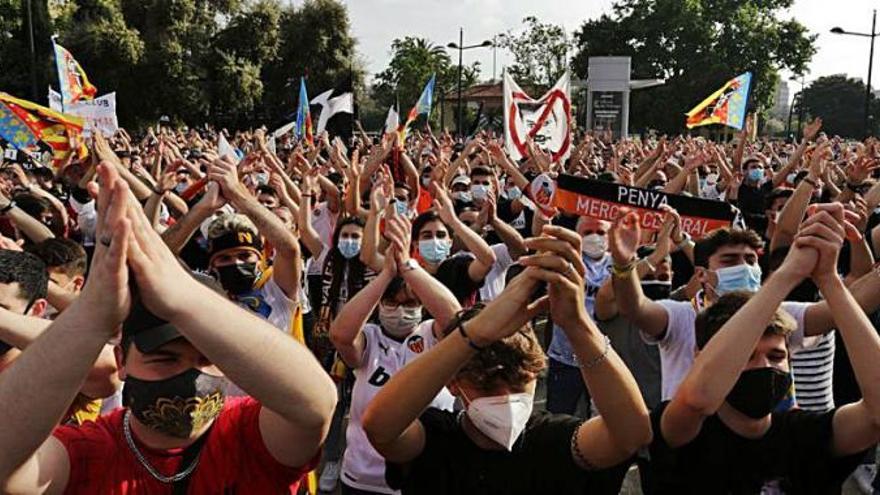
[501, 418]
[399, 321]
[594, 245]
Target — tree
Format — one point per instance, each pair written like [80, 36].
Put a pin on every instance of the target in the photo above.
[840, 102]
[223, 61]
[413, 60]
[315, 42]
[696, 45]
[540, 52]
[15, 55]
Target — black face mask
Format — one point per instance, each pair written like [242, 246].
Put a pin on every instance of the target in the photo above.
[758, 391]
[175, 406]
[656, 290]
[238, 277]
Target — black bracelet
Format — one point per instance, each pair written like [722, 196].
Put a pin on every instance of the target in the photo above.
[466, 337]
[9, 206]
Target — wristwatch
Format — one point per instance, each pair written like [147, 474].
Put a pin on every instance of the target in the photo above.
[409, 265]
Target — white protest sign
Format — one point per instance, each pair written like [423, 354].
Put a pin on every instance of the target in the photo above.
[99, 114]
[546, 120]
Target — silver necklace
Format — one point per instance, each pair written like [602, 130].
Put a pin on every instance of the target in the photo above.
[126, 428]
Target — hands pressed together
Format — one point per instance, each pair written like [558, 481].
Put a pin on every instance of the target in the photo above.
[129, 250]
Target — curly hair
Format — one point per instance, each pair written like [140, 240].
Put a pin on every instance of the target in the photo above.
[512, 362]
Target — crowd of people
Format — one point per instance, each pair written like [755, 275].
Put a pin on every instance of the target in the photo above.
[377, 316]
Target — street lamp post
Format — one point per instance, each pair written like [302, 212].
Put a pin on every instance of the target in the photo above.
[873, 34]
[30, 23]
[461, 48]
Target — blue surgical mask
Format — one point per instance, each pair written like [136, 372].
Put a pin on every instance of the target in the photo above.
[514, 193]
[756, 174]
[702, 183]
[740, 277]
[790, 178]
[434, 250]
[349, 247]
[480, 191]
[262, 178]
[401, 207]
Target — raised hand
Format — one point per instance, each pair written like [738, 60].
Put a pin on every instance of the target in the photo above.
[224, 172]
[398, 231]
[106, 291]
[860, 170]
[212, 200]
[824, 230]
[812, 129]
[443, 204]
[558, 263]
[624, 236]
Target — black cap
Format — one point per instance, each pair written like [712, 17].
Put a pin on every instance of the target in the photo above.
[149, 332]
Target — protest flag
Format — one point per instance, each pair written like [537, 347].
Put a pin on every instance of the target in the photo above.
[392, 121]
[25, 124]
[726, 106]
[303, 128]
[75, 85]
[423, 106]
[330, 106]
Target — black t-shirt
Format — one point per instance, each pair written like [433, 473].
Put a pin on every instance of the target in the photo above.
[540, 462]
[521, 221]
[750, 199]
[453, 273]
[796, 450]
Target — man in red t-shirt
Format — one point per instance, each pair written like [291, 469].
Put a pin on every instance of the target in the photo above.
[177, 433]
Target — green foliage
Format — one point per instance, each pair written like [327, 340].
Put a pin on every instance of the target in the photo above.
[413, 60]
[841, 104]
[224, 61]
[540, 52]
[696, 45]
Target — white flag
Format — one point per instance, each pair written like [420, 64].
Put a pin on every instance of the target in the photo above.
[330, 107]
[546, 121]
[392, 121]
[225, 149]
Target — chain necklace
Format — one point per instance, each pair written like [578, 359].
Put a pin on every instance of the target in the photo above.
[126, 428]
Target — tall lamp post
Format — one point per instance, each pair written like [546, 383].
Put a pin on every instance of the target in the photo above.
[873, 34]
[461, 48]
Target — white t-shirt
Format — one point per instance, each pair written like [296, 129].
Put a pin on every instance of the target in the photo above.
[494, 283]
[362, 467]
[272, 304]
[679, 344]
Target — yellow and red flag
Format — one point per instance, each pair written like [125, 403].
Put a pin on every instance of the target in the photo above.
[24, 124]
[726, 106]
[75, 85]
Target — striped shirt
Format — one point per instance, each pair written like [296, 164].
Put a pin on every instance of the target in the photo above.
[813, 368]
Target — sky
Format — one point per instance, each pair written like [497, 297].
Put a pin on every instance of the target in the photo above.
[375, 24]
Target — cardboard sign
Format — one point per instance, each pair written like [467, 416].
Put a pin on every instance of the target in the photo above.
[98, 114]
[603, 200]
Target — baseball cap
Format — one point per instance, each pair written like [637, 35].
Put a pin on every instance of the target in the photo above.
[461, 179]
[149, 332]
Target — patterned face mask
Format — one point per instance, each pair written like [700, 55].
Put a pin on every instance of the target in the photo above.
[176, 406]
